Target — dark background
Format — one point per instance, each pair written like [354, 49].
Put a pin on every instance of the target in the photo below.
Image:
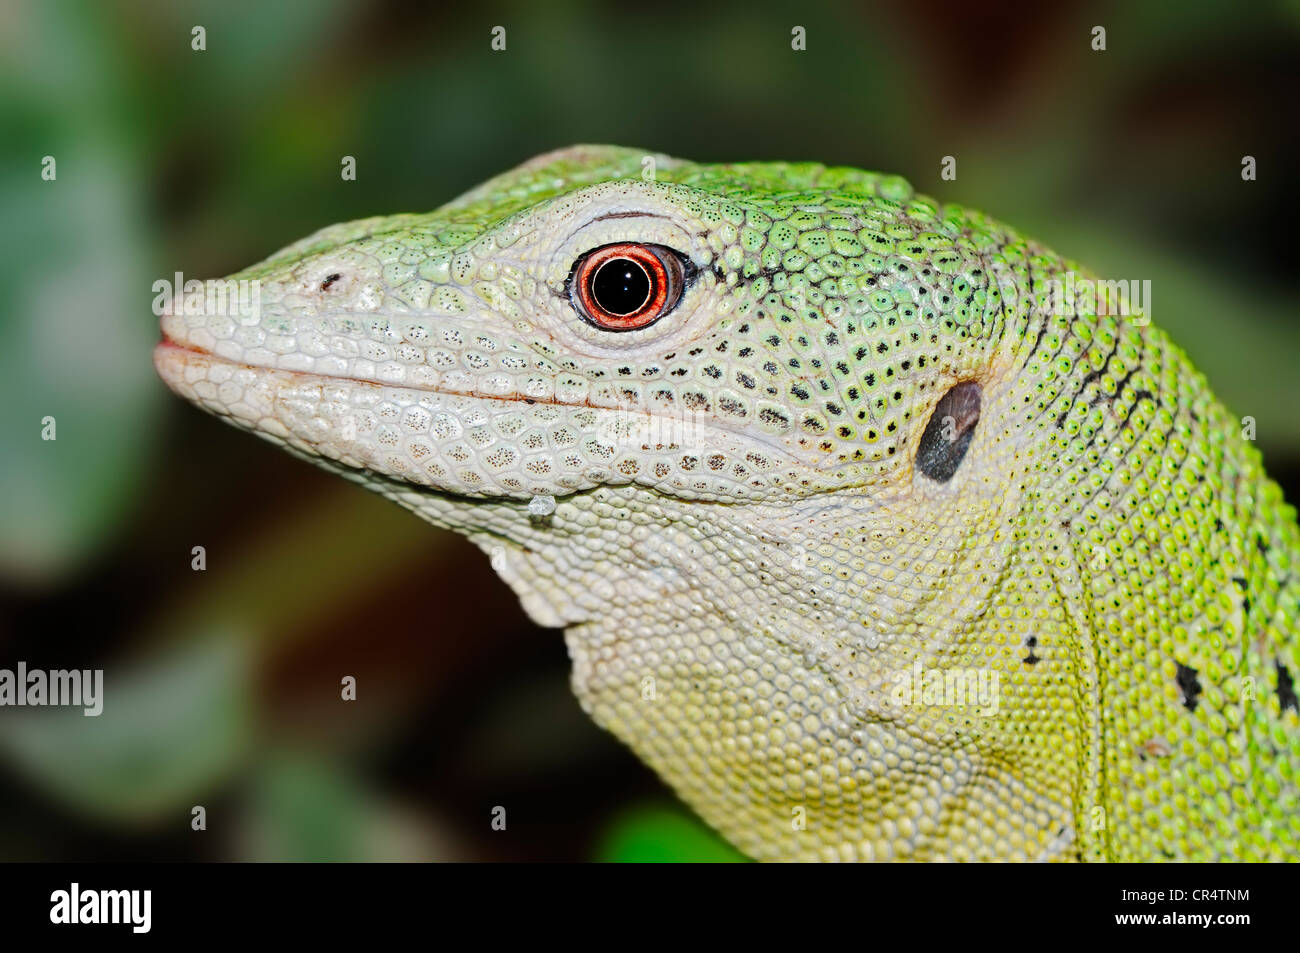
[223, 686]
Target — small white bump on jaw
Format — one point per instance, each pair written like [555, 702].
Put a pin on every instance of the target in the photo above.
[541, 506]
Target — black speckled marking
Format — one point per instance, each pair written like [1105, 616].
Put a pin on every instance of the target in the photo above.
[1285, 688]
[1188, 684]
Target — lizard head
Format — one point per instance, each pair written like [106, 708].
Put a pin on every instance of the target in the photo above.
[756, 391]
[602, 316]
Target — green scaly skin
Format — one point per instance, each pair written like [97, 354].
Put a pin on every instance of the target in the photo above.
[750, 564]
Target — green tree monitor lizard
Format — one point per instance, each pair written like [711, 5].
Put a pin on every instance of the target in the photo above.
[868, 533]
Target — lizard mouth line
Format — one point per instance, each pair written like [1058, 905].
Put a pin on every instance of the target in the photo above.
[187, 353]
[168, 344]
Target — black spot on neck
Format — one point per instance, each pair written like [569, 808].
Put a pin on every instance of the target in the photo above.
[1188, 684]
[1285, 689]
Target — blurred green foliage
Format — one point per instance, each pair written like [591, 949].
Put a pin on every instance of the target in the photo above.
[168, 732]
[658, 833]
[171, 159]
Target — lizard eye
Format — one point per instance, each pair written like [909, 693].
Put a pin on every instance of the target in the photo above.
[626, 286]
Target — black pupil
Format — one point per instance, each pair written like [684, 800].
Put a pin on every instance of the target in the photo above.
[621, 286]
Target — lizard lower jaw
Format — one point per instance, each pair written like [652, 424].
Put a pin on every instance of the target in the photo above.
[364, 425]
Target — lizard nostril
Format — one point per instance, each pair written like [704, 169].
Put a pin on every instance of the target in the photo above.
[948, 434]
[329, 281]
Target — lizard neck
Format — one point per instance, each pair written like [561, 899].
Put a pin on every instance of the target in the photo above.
[742, 651]
[1173, 567]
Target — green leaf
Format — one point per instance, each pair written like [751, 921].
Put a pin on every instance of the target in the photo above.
[657, 833]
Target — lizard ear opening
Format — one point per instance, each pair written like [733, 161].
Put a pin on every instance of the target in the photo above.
[948, 434]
